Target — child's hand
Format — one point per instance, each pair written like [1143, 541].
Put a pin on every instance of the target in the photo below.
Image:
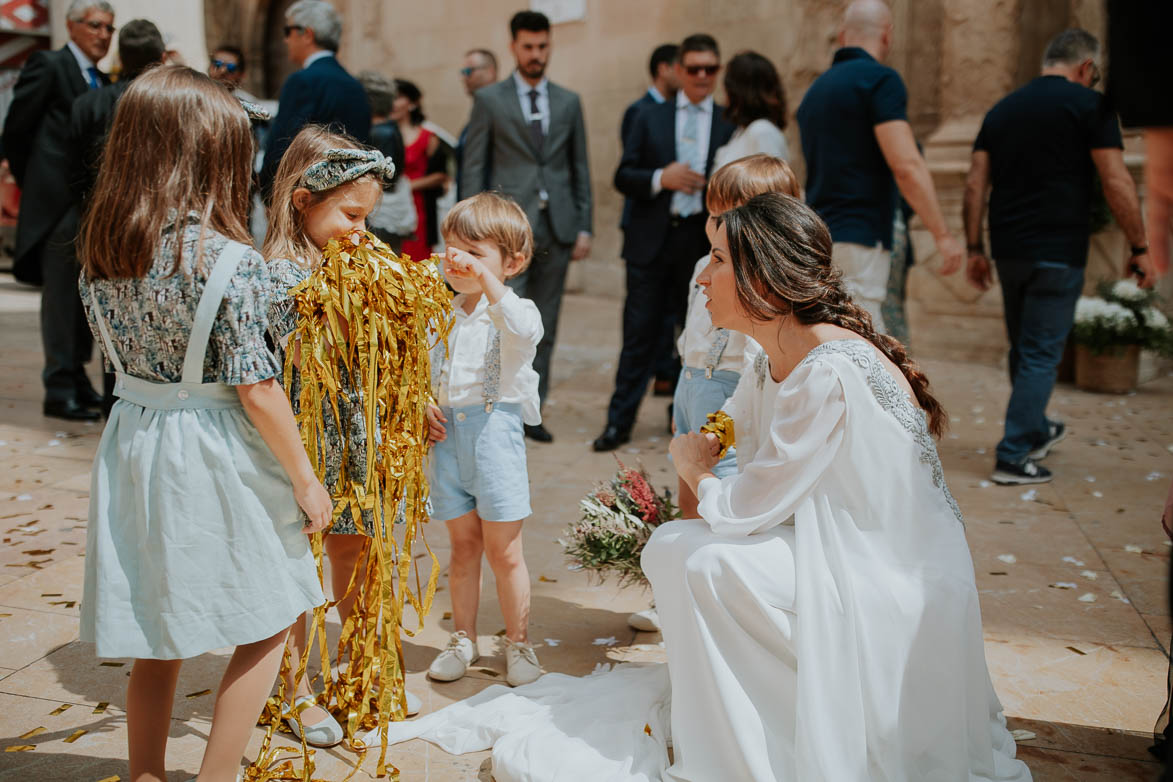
[459, 263]
[315, 501]
[436, 420]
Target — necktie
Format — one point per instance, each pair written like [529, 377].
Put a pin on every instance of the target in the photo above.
[689, 151]
[535, 120]
[95, 77]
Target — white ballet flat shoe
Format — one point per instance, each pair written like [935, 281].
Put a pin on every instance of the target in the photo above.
[327, 733]
[646, 621]
[193, 779]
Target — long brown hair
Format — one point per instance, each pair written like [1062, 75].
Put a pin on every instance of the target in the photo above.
[180, 143]
[286, 237]
[754, 91]
[781, 256]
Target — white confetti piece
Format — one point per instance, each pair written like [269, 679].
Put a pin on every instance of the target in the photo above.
[632, 450]
[1073, 561]
[653, 439]
[1009, 559]
[23, 497]
[1168, 543]
[1064, 585]
[1097, 494]
[985, 484]
[979, 421]
[980, 451]
[1169, 448]
[609, 641]
[1100, 443]
[1133, 549]
[1090, 575]
[1029, 496]
[976, 409]
[1087, 598]
[599, 668]
[1022, 735]
[551, 641]
[54, 443]
[1116, 593]
[1154, 475]
[954, 436]
[953, 419]
[1090, 478]
[3, 442]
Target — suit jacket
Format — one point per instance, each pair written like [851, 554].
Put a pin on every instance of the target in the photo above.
[89, 123]
[624, 128]
[36, 142]
[322, 94]
[650, 144]
[499, 154]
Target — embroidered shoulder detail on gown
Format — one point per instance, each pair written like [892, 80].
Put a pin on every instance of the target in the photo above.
[895, 402]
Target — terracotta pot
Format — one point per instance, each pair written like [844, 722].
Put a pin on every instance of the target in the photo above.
[1111, 372]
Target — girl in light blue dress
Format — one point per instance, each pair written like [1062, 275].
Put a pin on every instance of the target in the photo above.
[194, 539]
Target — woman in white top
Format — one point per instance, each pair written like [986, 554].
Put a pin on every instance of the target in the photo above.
[821, 619]
[757, 106]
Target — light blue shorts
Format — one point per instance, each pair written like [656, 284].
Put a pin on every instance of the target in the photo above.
[480, 465]
[696, 397]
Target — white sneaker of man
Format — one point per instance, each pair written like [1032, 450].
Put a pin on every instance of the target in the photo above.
[452, 663]
[521, 663]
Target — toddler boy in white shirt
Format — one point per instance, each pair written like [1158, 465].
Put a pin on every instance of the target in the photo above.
[484, 389]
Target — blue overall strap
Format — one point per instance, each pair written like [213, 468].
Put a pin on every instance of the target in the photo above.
[201, 328]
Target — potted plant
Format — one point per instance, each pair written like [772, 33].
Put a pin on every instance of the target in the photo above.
[1110, 331]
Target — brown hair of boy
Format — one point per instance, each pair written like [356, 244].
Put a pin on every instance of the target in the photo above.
[286, 237]
[180, 144]
[740, 180]
[493, 217]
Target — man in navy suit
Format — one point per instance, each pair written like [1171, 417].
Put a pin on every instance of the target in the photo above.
[667, 159]
[664, 85]
[322, 92]
[36, 143]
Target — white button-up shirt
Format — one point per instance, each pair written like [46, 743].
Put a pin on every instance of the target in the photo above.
[321, 54]
[696, 340]
[462, 373]
[84, 63]
[704, 125]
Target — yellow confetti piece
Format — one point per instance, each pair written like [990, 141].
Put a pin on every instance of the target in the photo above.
[77, 734]
[114, 778]
[33, 732]
[112, 665]
[721, 425]
[101, 707]
[39, 553]
[4, 615]
[447, 615]
[20, 748]
[63, 707]
[545, 580]
[48, 594]
[647, 729]
[199, 694]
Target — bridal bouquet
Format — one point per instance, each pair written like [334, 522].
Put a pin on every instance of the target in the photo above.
[618, 517]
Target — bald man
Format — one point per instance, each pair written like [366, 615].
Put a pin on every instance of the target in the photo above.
[859, 149]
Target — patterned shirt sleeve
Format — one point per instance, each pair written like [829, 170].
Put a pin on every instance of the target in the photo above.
[237, 353]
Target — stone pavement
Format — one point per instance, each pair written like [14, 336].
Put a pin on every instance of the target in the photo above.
[1072, 574]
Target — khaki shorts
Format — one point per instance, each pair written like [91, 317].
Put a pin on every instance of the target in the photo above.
[865, 275]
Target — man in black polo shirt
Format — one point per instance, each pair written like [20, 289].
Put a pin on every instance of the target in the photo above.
[859, 148]
[1037, 149]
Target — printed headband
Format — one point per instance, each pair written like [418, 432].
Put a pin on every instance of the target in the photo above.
[255, 112]
[346, 165]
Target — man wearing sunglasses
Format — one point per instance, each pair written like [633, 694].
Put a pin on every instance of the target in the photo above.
[36, 143]
[479, 69]
[667, 159]
[1036, 154]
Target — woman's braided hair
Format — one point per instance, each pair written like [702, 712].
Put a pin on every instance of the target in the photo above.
[781, 256]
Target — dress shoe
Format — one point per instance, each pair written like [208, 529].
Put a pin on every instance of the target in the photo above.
[611, 438]
[538, 433]
[70, 410]
[88, 397]
[664, 388]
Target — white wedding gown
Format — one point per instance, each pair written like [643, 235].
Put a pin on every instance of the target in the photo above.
[821, 620]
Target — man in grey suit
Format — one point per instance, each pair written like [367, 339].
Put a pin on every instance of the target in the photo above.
[526, 138]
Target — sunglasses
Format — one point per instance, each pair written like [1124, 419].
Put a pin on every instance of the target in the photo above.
[466, 71]
[291, 27]
[230, 67]
[697, 70]
[99, 26]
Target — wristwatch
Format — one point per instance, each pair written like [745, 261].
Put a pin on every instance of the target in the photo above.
[1139, 250]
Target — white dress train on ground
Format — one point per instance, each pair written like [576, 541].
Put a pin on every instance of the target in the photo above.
[839, 515]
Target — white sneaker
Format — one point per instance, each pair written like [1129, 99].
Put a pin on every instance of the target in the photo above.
[453, 662]
[646, 621]
[521, 663]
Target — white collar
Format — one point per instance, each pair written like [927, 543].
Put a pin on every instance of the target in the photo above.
[656, 96]
[83, 62]
[481, 305]
[523, 86]
[706, 105]
[320, 54]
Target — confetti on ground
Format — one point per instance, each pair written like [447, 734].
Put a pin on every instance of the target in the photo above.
[447, 615]
[1090, 575]
[1009, 559]
[609, 641]
[602, 668]
[1154, 475]
[1132, 549]
[1097, 494]
[23, 497]
[199, 694]
[114, 778]
[112, 665]
[979, 421]
[1073, 561]
[1064, 585]
[39, 553]
[54, 443]
[19, 748]
[545, 580]
[101, 707]
[1116, 593]
[976, 409]
[1090, 478]
[49, 594]
[486, 671]
[1077, 651]
[63, 707]
[984, 484]
[30, 733]
[998, 573]
[981, 451]
[1087, 598]
[77, 734]
[551, 641]
[647, 729]
[1023, 735]
[1029, 496]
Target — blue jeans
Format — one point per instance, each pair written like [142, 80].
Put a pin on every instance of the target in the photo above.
[1038, 300]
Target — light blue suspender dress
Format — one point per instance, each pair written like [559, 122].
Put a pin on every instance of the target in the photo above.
[194, 541]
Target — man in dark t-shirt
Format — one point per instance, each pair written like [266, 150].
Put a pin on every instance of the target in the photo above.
[1038, 149]
[859, 149]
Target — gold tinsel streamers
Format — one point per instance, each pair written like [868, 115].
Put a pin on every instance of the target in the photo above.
[721, 425]
[376, 315]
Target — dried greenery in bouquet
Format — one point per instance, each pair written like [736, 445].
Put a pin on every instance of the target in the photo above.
[618, 517]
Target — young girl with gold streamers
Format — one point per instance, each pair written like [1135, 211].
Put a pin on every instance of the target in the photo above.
[359, 320]
[194, 541]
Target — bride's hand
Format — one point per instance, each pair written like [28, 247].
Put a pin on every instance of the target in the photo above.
[694, 454]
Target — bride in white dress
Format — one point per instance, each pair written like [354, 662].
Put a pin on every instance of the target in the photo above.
[821, 619]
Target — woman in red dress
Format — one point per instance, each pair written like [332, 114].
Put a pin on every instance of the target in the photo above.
[420, 145]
